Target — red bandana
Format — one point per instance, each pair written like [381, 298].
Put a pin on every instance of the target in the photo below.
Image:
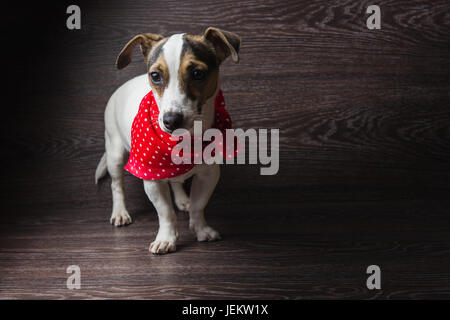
[151, 147]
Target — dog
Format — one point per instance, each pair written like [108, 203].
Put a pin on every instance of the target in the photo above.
[183, 74]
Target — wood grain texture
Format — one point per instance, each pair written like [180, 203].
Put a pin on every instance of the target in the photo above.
[364, 119]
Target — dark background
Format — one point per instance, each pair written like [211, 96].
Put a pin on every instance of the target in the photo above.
[364, 175]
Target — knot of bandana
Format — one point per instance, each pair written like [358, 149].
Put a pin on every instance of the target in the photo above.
[151, 147]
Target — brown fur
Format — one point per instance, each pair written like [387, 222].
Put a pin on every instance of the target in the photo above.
[161, 67]
[146, 41]
[198, 90]
[225, 43]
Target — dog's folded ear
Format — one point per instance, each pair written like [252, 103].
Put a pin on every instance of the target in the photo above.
[225, 43]
[146, 41]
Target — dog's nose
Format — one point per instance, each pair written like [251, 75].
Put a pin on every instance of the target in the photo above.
[172, 120]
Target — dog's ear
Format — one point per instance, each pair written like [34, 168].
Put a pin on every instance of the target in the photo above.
[225, 43]
[146, 41]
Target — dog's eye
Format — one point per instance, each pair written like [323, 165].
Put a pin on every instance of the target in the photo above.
[156, 77]
[198, 74]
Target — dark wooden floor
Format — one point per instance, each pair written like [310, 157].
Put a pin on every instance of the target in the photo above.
[364, 119]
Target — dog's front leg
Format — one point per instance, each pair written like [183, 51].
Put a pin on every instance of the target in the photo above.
[203, 185]
[159, 194]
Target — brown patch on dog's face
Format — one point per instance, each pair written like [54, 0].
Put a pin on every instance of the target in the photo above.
[203, 55]
[199, 70]
[158, 75]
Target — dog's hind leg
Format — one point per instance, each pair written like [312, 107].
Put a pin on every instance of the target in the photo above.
[181, 198]
[115, 155]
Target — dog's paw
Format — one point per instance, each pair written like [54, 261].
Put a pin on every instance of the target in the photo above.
[162, 246]
[183, 203]
[120, 218]
[165, 241]
[207, 233]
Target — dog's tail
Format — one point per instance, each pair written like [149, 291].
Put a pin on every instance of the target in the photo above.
[101, 169]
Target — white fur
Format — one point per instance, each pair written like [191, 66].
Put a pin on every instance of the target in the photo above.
[120, 111]
[173, 98]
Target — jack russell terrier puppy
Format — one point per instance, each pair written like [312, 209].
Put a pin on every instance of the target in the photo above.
[183, 76]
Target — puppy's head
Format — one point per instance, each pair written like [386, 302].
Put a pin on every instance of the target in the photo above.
[183, 71]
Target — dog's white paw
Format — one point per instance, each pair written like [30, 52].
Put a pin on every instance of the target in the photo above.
[165, 242]
[162, 246]
[183, 203]
[207, 233]
[120, 218]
